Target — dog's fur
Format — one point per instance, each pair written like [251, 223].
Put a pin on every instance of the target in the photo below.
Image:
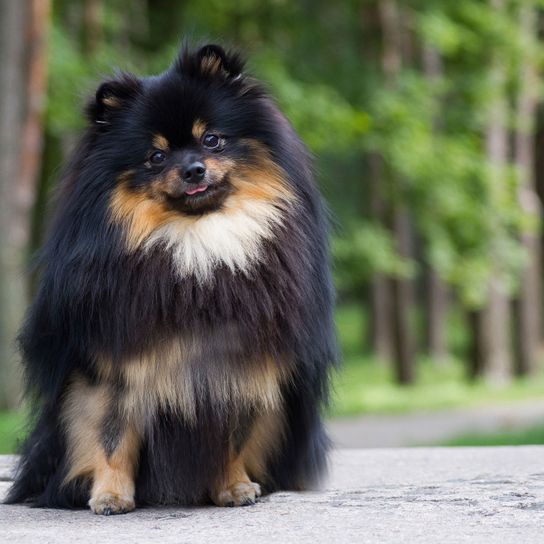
[178, 348]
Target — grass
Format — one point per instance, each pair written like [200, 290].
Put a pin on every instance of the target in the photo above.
[365, 385]
[532, 435]
[11, 426]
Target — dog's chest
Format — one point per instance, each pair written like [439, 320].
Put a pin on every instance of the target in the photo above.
[232, 238]
[176, 379]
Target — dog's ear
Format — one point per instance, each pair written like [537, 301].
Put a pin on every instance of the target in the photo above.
[211, 61]
[112, 97]
[214, 60]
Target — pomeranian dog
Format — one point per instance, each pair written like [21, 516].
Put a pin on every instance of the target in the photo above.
[180, 342]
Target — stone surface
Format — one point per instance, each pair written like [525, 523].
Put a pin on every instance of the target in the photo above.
[380, 496]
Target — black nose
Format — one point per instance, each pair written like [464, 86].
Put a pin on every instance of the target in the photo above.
[194, 173]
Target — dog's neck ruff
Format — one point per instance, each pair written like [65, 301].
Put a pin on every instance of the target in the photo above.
[231, 237]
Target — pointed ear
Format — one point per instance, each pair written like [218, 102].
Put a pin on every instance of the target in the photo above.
[210, 61]
[112, 97]
[214, 60]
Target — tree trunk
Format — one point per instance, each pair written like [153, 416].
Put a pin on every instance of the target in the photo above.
[496, 337]
[527, 308]
[22, 82]
[495, 329]
[436, 295]
[381, 334]
[475, 358]
[391, 40]
[12, 288]
[436, 306]
[401, 304]
[92, 26]
[401, 288]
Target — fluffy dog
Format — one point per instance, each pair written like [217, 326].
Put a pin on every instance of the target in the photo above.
[180, 342]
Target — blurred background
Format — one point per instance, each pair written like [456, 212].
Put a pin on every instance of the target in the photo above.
[426, 118]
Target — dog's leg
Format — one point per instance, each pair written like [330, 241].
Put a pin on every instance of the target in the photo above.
[235, 488]
[264, 437]
[100, 448]
[113, 478]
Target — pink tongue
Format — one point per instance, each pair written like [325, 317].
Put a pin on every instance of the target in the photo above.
[199, 189]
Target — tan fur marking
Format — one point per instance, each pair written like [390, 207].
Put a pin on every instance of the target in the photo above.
[264, 181]
[218, 168]
[255, 184]
[210, 65]
[141, 214]
[84, 410]
[231, 236]
[111, 102]
[169, 183]
[235, 473]
[160, 142]
[266, 436]
[165, 379]
[113, 477]
[199, 128]
[236, 486]
[158, 380]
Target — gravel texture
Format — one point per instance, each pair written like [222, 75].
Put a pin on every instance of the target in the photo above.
[379, 495]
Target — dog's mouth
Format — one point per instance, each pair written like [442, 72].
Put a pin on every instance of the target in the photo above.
[195, 190]
[201, 198]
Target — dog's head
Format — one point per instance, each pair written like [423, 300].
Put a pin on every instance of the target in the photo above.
[194, 141]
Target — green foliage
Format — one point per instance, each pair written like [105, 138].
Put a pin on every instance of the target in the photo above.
[430, 133]
[11, 431]
[69, 75]
[365, 385]
[319, 113]
[322, 61]
[363, 250]
[466, 211]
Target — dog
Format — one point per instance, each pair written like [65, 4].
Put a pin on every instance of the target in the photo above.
[179, 347]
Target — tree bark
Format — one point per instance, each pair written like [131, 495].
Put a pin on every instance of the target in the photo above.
[436, 306]
[22, 86]
[381, 334]
[402, 303]
[495, 328]
[527, 307]
[92, 26]
[475, 348]
[436, 295]
[401, 288]
[391, 40]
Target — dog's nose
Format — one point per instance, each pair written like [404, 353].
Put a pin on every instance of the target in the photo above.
[194, 173]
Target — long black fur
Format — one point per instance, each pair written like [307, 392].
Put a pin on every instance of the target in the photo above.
[95, 297]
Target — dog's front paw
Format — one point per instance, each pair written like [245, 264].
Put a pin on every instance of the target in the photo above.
[238, 494]
[108, 504]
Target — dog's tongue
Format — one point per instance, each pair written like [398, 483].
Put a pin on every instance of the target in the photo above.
[198, 189]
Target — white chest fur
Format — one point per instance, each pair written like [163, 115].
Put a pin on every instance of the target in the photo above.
[232, 237]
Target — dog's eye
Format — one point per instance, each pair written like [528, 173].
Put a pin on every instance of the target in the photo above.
[157, 157]
[211, 141]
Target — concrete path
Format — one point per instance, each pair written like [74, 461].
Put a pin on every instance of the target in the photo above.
[446, 495]
[430, 428]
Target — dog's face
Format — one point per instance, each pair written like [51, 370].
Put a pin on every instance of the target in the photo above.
[191, 142]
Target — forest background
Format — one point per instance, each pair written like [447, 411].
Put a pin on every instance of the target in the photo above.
[426, 120]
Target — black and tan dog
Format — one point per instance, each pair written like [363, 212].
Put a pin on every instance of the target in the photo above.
[179, 345]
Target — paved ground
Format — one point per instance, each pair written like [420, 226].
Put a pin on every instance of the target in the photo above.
[424, 429]
[376, 496]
